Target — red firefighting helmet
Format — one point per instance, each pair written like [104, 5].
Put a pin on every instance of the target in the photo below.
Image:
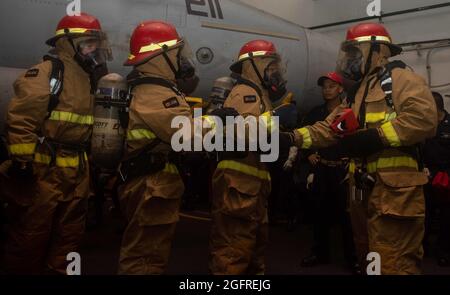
[367, 32]
[151, 38]
[77, 26]
[255, 48]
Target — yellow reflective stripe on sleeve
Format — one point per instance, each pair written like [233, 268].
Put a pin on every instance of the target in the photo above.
[170, 168]
[63, 162]
[391, 134]
[307, 140]
[210, 120]
[244, 168]
[375, 117]
[267, 119]
[380, 117]
[22, 149]
[137, 134]
[72, 118]
[390, 117]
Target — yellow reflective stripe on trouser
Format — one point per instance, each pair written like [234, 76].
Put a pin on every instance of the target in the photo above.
[307, 140]
[244, 168]
[383, 163]
[137, 134]
[352, 167]
[391, 134]
[72, 118]
[63, 162]
[170, 168]
[380, 117]
[22, 149]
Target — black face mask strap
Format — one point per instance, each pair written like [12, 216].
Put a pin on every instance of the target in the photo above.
[369, 59]
[256, 71]
[166, 57]
[66, 32]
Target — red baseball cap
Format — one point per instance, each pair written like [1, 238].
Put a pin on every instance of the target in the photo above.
[333, 76]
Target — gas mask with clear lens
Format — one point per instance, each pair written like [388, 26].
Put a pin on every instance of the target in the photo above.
[92, 52]
[350, 62]
[187, 80]
[274, 81]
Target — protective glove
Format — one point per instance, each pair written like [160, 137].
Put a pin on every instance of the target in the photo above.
[362, 143]
[223, 113]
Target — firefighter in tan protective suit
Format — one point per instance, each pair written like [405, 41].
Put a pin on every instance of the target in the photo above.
[48, 127]
[241, 185]
[396, 111]
[151, 194]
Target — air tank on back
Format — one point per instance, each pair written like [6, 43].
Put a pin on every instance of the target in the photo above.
[219, 92]
[110, 112]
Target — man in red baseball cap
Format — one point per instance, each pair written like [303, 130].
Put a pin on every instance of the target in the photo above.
[328, 170]
[332, 89]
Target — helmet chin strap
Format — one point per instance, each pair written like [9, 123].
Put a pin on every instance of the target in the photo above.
[263, 83]
[169, 62]
[368, 64]
[66, 31]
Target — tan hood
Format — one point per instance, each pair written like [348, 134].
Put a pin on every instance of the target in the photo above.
[379, 59]
[64, 50]
[158, 67]
[249, 73]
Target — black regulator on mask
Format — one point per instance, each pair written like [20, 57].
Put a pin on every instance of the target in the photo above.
[353, 67]
[88, 62]
[274, 83]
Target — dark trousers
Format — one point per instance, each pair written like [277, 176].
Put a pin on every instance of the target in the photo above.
[437, 208]
[330, 207]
